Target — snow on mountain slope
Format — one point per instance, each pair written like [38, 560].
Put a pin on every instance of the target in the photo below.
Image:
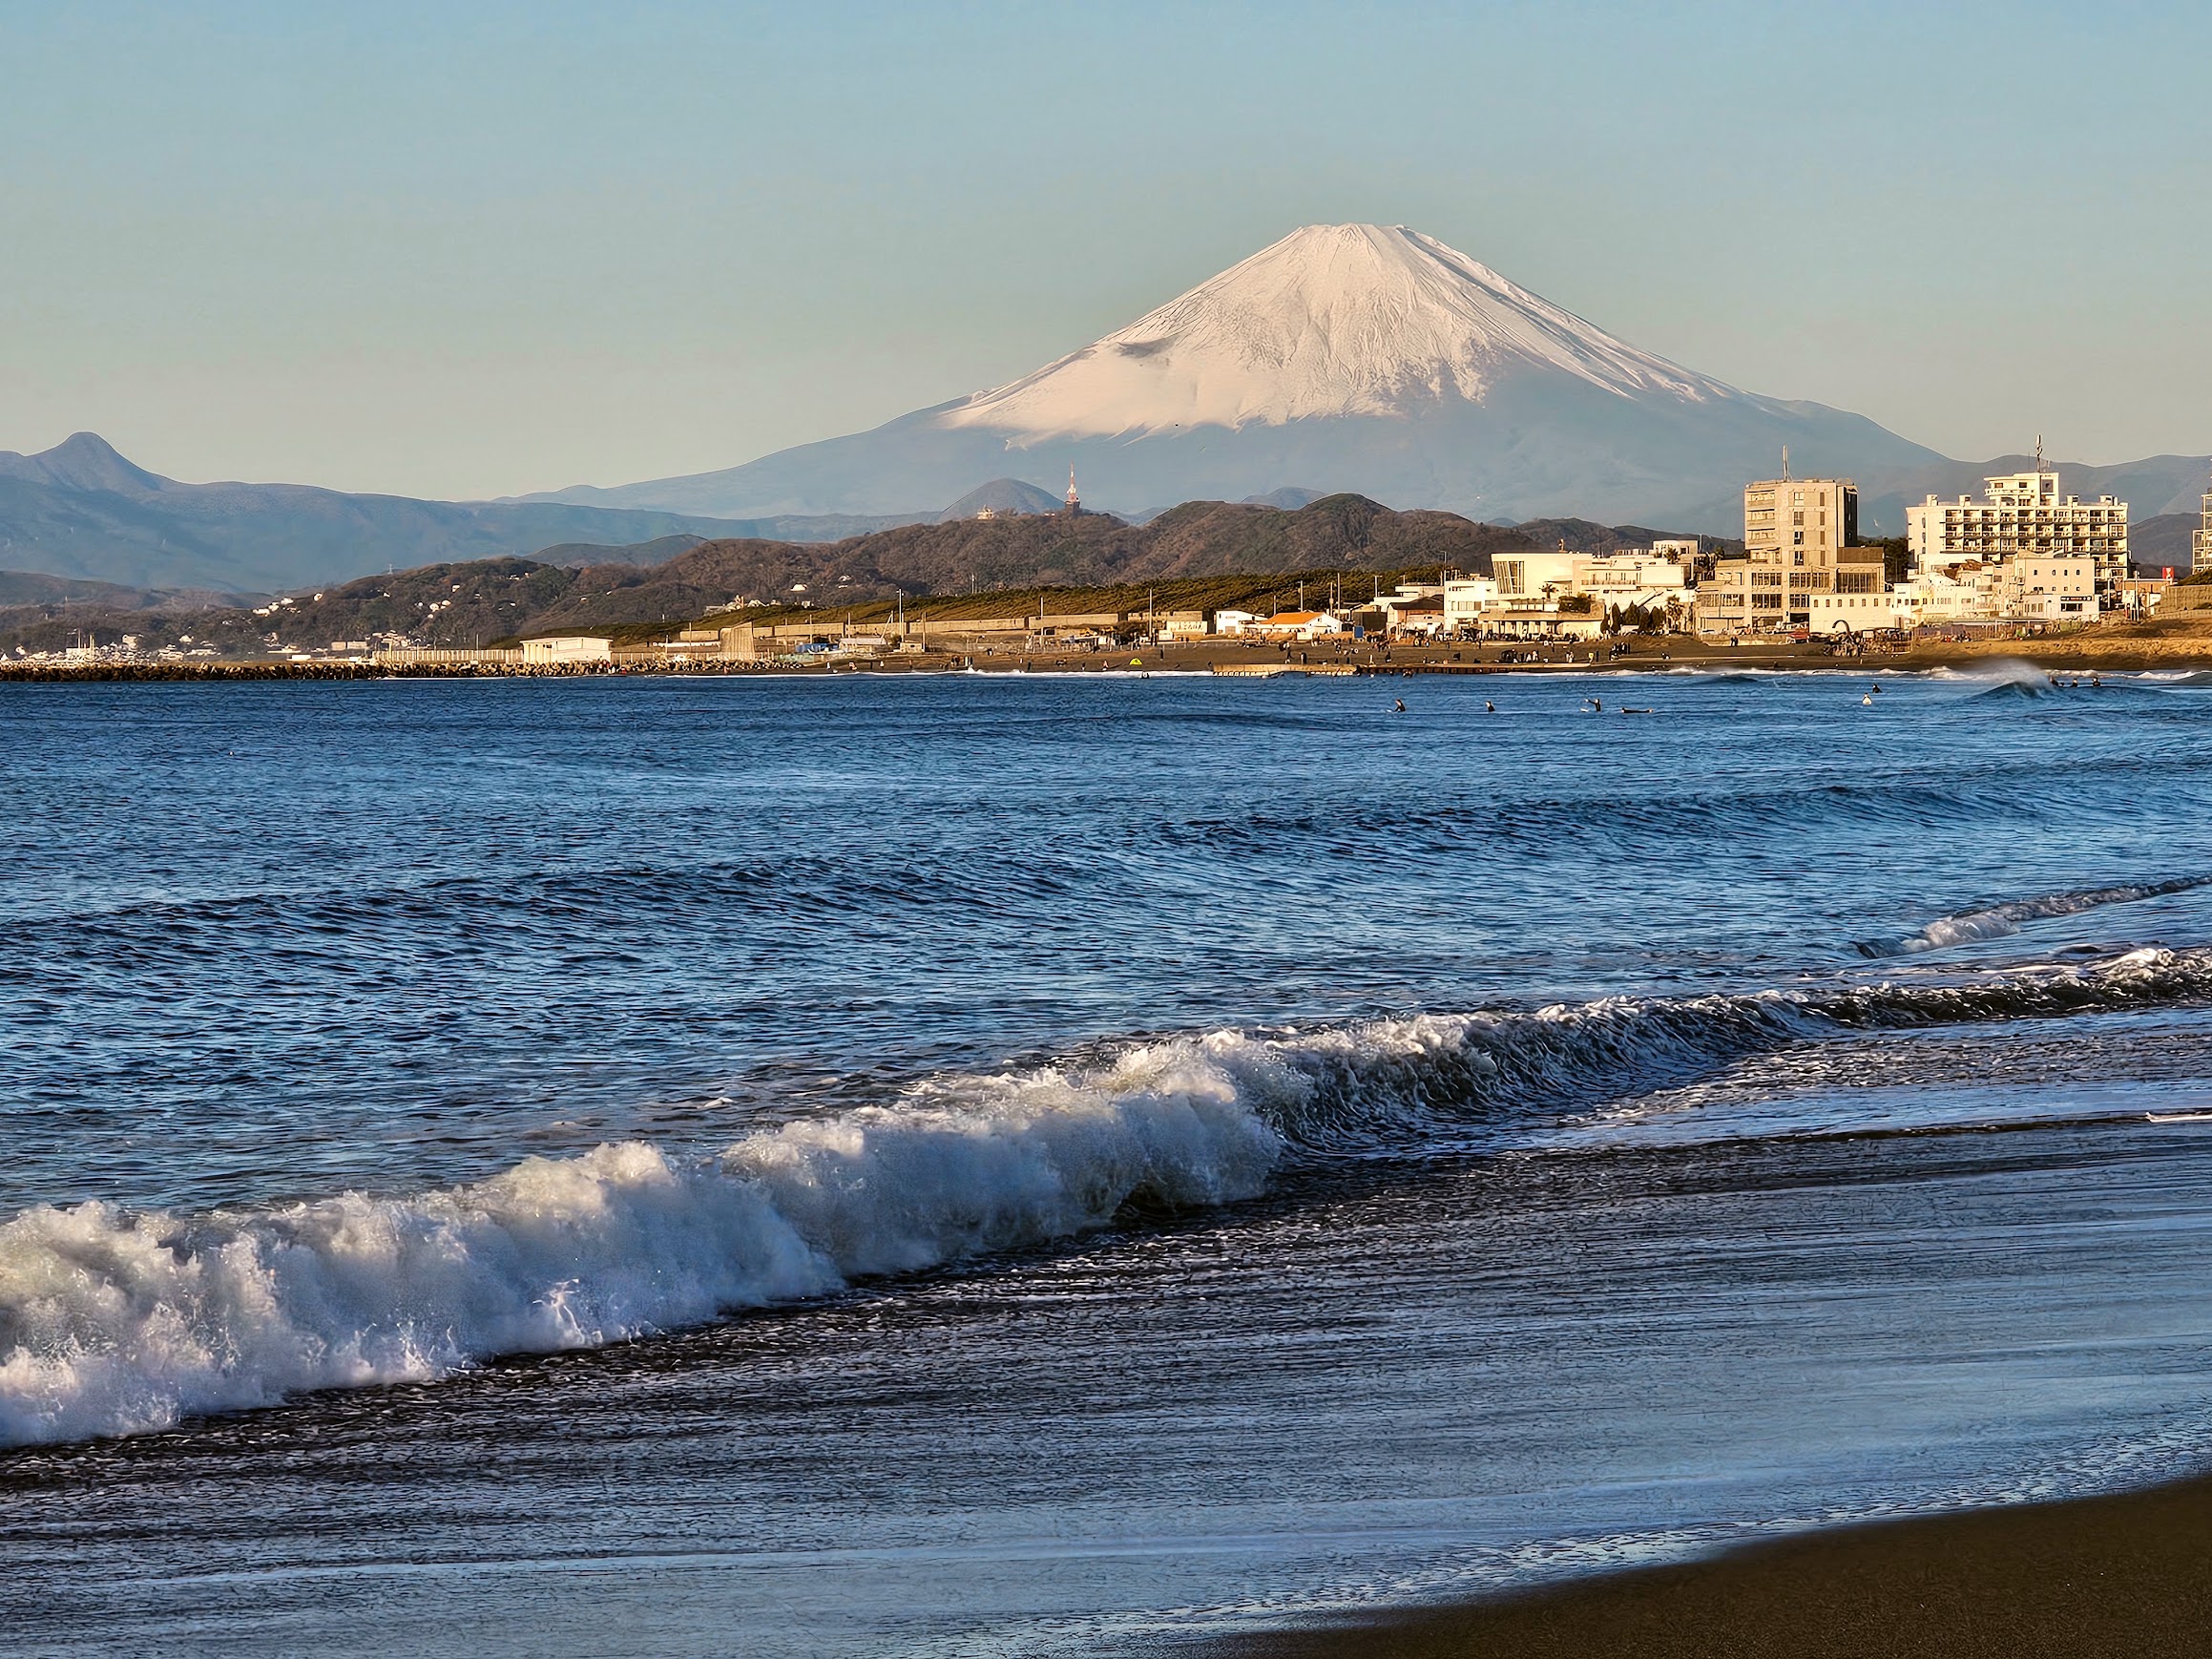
[1333, 320]
[1343, 357]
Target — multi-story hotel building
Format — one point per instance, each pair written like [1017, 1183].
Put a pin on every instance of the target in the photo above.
[2021, 515]
[1800, 538]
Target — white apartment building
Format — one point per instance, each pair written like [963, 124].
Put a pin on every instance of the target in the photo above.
[2020, 515]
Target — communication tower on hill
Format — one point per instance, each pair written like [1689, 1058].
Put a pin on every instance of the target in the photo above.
[1075, 506]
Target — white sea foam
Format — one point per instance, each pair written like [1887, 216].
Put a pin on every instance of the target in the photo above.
[113, 1322]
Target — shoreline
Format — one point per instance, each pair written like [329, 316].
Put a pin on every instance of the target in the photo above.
[2104, 1575]
[1410, 668]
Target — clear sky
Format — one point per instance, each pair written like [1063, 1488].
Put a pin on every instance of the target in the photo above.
[467, 249]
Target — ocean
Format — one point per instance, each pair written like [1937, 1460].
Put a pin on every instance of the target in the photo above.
[1032, 1165]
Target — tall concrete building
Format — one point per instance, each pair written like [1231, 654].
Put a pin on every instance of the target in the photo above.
[1801, 538]
[2200, 540]
[2020, 515]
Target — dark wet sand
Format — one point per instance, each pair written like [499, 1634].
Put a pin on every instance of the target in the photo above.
[2130, 1575]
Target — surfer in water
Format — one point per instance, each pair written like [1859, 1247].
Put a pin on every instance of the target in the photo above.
[1401, 706]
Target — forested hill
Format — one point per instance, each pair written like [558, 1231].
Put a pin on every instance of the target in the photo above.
[485, 599]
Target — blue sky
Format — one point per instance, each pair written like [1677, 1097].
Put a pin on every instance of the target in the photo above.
[474, 249]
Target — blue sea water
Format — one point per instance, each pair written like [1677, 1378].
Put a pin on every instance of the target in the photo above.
[1021, 1163]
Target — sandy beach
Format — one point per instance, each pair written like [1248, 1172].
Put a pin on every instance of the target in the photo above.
[2103, 1576]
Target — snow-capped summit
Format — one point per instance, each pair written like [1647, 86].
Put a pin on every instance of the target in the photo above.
[1355, 357]
[1333, 320]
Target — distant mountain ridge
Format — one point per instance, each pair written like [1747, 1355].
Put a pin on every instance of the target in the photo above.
[81, 510]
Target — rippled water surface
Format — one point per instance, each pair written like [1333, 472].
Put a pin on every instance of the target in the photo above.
[1051, 1164]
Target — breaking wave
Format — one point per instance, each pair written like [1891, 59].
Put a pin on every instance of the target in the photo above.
[115, 1321]
[1996, 921]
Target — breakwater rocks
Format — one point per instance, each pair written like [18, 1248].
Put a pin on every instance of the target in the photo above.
[134, 671]
[46, 672]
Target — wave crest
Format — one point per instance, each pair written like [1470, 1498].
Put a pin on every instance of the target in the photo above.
[115, 1322]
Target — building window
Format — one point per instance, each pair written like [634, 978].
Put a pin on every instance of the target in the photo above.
[1797, 536]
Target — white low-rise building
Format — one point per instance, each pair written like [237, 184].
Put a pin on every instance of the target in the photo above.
[1304, 625]
[1467, 600]
[2046, 590]
[1834, 614]
[1525, 576]
[1637, 583]
[567, 648]
[1962, 595]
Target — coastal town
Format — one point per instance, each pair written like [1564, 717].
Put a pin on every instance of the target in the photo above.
[2023, 562]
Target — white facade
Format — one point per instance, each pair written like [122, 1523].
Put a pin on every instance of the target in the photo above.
[1854, 612]
[567, 648]
[1635, 581]
[1466, 600]
[1523, 576]
[2047, 589]
[2020, 515]
[1964, 595]
[1525, 591]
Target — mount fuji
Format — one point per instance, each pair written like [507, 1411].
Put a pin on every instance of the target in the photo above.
[1345, 357]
